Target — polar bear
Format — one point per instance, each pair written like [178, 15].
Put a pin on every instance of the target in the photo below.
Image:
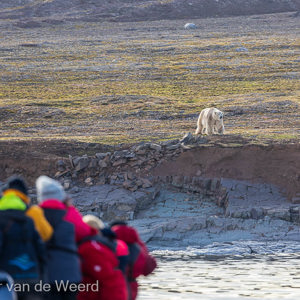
[210, 121]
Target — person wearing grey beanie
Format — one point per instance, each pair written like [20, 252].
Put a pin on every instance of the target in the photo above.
[48, 188]
[63, 259]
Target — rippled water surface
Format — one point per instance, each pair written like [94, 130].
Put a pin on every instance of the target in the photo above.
[226, 271]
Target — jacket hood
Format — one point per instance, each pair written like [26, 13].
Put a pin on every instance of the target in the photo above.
[89, 232]
[12, 201]
[126, 233]
[19, 194]
[81, 229]
[53, 204]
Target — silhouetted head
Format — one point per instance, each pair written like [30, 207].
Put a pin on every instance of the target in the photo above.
[114, 223]
[17, 183]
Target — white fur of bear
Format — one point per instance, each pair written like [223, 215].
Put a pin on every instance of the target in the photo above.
[210, 121]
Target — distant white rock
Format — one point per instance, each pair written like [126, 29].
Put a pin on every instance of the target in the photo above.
[190, 26]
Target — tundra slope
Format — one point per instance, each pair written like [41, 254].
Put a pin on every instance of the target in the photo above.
[116, 83]
[139, 10]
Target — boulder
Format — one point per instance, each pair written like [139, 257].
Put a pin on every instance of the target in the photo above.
[60, 165]
[123, 154]
[169, 143]
[190, 26]
[119, 162]
[67, 184]
[279, 213]
[89, 181]
[129, 185]
[256, 213]
[173, 147]
[146, 183]
[102, 164]
[102, 155]
[93, 163]
[296, 199]
[155, 147]
[187, 138]
[81, 163]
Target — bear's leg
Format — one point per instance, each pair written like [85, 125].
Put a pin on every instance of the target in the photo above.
[221, 129]
[200, 123]
[204, 127]
[199, 129]
[214, 130]
[209, 129]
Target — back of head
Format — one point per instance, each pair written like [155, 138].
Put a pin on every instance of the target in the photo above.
[118, 222]
[124, 232]
[48, 188]
[107, 232]
[93, 221]
[17, 183]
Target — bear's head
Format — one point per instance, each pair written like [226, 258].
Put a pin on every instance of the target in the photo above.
[217, 115]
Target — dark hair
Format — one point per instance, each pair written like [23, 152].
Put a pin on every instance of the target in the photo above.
[16, 183]
[106, 231]
[118, 223]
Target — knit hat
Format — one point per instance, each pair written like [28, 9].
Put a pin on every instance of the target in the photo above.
[17, 183]
[93, 221]
[18, 186]
[48, 188]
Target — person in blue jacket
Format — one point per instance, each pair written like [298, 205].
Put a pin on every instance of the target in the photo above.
[63, 259]
[22, 252]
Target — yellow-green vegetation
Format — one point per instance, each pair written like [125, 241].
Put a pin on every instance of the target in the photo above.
[129, 82]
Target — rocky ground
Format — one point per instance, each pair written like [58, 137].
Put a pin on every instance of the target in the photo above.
[147, 163]
[169, 216]
[192, 191]
[175, 193]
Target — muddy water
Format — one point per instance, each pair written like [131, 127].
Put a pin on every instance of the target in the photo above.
[226, 271]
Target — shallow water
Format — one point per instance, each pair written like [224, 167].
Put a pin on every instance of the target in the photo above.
[226, 271]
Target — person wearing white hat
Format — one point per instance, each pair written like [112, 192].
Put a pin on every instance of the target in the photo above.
[63, 264]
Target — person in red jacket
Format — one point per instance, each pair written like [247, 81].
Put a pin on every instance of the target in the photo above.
[99, 264]
[140, 261]
[74, 216]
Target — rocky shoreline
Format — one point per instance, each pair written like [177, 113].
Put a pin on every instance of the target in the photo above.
[169, 216]
[179, 210]
[169, 192]
[145, 164]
